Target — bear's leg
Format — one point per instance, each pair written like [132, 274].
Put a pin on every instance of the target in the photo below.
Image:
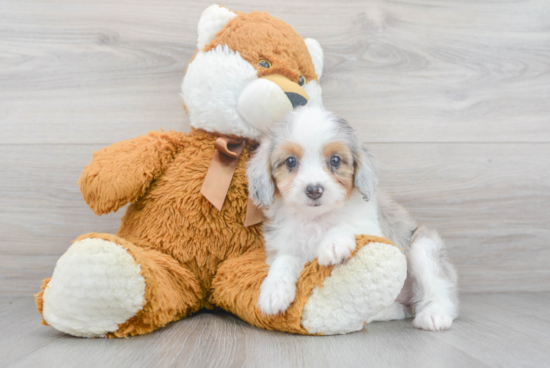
[329, 300]
[106, 286]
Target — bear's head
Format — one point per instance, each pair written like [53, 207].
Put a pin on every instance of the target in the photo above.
[248, 71]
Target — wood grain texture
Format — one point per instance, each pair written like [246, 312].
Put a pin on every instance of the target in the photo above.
[451, 95]
[489, 202]
[498, 330]
[407, 71]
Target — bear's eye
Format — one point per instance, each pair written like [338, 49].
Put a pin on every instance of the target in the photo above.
[291, 162]
[335, 161]
[301, 81]
[264, 64]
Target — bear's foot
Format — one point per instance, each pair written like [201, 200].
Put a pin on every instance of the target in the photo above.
[329, 299]
[356, 290]
[95, 287]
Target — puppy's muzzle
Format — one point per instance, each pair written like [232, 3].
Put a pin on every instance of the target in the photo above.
[314, 191]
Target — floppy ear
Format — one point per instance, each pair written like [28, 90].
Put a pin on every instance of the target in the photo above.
[316, 53]
[365, 179]
[213, 19]
[260, 183]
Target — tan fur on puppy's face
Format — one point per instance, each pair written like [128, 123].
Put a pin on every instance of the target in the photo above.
[343, 175]
[282, 175]
[317, 186]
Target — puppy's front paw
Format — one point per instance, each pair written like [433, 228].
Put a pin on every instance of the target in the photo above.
[335, 249]
[432, 319]
[276, 296]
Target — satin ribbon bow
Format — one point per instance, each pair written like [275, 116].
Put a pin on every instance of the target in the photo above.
[219, 175]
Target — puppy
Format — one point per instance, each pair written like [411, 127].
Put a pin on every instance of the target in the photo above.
[318, 187]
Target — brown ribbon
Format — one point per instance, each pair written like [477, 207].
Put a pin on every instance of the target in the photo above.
[219, 175]
[254, 215]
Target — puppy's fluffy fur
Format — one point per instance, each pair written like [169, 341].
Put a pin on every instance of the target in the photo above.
[318, 187]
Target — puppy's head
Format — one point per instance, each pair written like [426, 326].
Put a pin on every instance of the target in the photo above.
[313, 161]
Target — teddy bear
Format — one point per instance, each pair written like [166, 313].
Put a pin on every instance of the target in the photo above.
[190, 238]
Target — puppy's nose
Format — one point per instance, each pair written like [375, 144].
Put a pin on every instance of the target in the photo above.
[314, 191]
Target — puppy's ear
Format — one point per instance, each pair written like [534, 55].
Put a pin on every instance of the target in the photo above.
[260, 183]
[365, 178]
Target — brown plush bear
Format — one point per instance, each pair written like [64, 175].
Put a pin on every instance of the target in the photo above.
[182, 244]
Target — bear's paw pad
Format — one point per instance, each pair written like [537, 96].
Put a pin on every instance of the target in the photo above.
[96, 285]
[356, 290]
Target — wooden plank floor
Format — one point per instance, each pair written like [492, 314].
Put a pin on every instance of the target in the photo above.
[493, 330]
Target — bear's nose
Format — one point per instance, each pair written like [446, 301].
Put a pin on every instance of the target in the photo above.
[314, 191]
[295, 99]
[295, 94]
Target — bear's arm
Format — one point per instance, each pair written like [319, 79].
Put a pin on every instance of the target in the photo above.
[122, 172]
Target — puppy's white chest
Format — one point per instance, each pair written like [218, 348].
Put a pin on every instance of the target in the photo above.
[308, 236]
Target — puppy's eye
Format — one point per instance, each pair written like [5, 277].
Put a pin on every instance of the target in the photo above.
[335, 161]
[264, 64]
[291, 162]
[301, 81]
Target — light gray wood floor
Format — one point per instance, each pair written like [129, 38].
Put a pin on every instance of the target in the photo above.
[494, 330]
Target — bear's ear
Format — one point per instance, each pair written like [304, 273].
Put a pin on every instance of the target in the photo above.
[316, 53]
[213, 19]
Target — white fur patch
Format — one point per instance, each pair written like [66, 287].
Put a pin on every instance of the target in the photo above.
[314, 91]
[435, 295]
[212, 20]
[223, 94]
[356, 290]
[433, 318]
[262, 102]
[278, 289]
[211, 88]
[96, 285]
[336, 248]
[316, 53]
